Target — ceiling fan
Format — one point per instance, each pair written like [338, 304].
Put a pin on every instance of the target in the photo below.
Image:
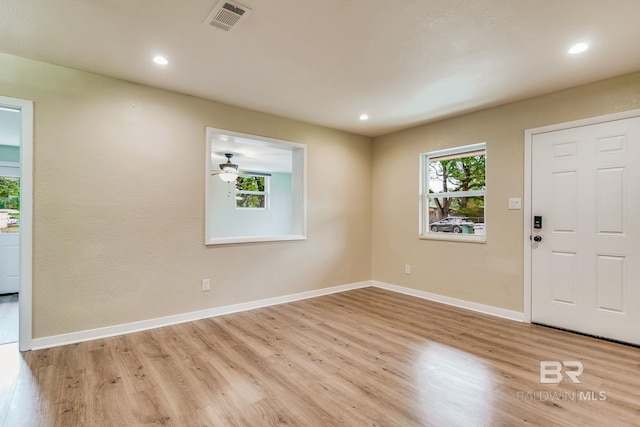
[229, 171]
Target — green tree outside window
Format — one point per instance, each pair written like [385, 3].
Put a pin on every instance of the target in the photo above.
[9, 193]
[251, 192]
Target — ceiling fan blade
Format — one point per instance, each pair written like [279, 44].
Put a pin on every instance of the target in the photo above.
[254, 173]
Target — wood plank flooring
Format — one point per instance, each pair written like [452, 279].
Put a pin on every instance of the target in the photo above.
[8, 318]
[366, 357]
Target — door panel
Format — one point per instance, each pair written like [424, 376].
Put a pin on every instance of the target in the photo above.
[586, 268]
[563, 273]
[610, 200]
[564, 202]
[611, 283]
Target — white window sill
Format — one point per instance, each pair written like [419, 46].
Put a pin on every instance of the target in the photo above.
[454, 237]
[253, 239]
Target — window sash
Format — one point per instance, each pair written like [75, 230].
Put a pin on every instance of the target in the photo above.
[450, 154]
[458, 152]
[263, 194]
[470, 193]
[264, 201]
[447, 154]
[256, 193]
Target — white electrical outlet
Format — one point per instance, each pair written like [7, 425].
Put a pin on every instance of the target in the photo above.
[206, 285]
[407, 269]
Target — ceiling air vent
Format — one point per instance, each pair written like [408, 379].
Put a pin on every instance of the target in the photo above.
[227, 14]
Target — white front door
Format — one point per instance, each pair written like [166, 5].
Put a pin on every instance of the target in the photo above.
[585, 268]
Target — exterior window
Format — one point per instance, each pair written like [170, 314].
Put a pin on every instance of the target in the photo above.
[9, 204]
[453, 187]
[251, 192]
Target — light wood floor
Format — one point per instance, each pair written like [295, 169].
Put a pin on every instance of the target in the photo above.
[367, 357]
[8, 318]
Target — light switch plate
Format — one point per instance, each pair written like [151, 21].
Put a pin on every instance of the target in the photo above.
[515, 203]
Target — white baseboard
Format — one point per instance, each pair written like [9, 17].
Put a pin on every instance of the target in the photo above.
[143, 325]
[481, 308]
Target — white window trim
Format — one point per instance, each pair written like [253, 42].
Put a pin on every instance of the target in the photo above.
[423, 231]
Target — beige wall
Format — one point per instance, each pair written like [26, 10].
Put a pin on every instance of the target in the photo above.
[490, 273]
[119, 203]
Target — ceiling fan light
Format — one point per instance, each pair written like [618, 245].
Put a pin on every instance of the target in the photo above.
[228, 171]
[228, 176]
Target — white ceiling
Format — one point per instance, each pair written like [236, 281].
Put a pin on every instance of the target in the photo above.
[403, 62]
[250, 154]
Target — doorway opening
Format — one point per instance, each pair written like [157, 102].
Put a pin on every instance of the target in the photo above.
[10, 125]
[16, 206]
[9, 247]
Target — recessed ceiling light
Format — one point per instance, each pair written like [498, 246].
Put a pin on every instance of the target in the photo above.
[578, 48]
[160, 60]
[364, 117]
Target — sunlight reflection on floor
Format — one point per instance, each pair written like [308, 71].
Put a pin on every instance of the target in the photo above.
[10, 360]
[456, 388]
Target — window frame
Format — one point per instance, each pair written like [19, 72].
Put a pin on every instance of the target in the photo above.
[452, 153]
[264, 193]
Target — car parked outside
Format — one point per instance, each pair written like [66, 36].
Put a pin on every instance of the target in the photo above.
[451, 224]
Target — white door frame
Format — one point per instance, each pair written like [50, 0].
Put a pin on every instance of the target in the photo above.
[528, 215]
[26, 217]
